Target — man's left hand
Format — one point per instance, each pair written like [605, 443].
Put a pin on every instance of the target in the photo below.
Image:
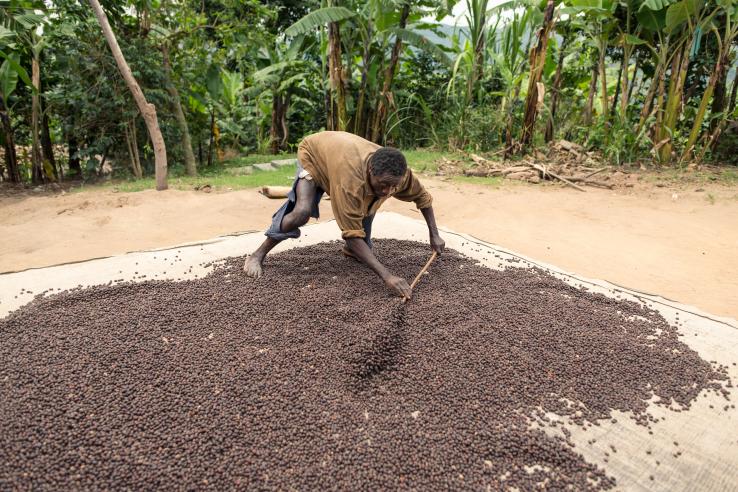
[437, 244]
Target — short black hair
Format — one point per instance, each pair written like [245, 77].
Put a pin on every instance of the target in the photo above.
[388, 161]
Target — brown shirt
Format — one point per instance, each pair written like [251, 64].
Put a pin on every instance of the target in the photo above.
[338, 163]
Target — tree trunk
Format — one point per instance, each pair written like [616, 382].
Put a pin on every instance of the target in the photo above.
[589, 109]
[658, 131]
[11, 158]
[38, 175]
[537, 60]
[603, 84]
[718, 99]
[555, 93]
[275, 132]
[132, 139]
[733, 94]
[283, 121]
[674, 99]
[330, 117]
[631, 86]
[618, 87]
[147, 110]
[75, 166]
[335, 69]
[656, 81]
[189, 155]
[386, 99]
[127, 133]
[717, 74]
[359, 120]
[47, 146]
[212, 138]
[624, 86]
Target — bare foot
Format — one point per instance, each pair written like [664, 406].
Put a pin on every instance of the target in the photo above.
[347, 252]
[252, 266]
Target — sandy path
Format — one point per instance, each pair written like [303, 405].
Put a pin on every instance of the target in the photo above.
[682, 248]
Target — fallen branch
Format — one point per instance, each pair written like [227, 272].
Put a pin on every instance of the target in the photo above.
[545, 173]
[595, 172]
[590, 182]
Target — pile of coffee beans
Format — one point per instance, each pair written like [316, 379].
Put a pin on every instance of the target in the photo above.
[314, 376]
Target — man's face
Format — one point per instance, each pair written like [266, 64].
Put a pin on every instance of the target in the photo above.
[384, 184]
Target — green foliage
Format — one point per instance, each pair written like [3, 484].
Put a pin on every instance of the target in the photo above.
[8, 79]
[253, 75]
[318, 18]
[682, 12]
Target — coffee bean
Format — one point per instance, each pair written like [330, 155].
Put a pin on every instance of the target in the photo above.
[225, 382]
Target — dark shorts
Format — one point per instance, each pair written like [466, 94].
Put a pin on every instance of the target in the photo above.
[275, 230]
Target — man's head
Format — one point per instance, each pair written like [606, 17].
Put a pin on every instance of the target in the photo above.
[387, 167]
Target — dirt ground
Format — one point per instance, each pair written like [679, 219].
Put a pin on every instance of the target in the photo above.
[676, 242]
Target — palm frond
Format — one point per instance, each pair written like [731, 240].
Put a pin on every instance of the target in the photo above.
[318, 18]
[423, 43]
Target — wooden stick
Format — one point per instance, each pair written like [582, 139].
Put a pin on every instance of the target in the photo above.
[560, 178]
[417, 278]
[594, 172]
[590, 182]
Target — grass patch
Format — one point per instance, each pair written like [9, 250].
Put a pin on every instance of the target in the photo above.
[713, 174]
[217, 178]
[487, 181]
[425, 160]
[420, 160]
[247, 160]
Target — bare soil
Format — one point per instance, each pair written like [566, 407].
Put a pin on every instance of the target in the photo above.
[673, 239]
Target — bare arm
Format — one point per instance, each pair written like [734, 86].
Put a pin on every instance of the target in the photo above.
[437, 244]
[359, 248]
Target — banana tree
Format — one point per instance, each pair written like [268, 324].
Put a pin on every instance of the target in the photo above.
[685, 20]
[508, 47]
[597, 16]
[471, 59]
[385, 96]
[329, 16]
[628, 39]
[534, 98]
[285, 72]
[724, 40]
[9, 73]
[556, 87]
[381, 29]
[17, 25]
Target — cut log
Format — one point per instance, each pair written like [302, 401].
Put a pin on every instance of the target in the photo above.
[275, 191]
[514, 169]
[477, 173]
[480, 160]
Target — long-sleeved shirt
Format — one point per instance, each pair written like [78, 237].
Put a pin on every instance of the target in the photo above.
[338, 162]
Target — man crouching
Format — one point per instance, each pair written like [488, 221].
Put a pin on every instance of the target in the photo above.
[359, 176]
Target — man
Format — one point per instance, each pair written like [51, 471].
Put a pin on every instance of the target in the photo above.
[359, 176]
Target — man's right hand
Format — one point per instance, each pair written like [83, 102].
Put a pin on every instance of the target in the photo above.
[398, 285]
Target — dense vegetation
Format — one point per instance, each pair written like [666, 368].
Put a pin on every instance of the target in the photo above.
[635, 79]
